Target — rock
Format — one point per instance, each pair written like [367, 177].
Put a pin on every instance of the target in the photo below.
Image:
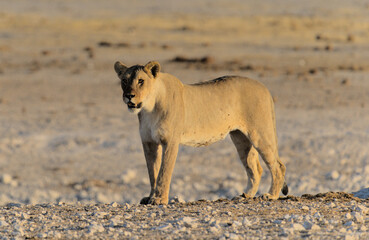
[213, 222]
[361, 209]
[297, 227]
[25, 216]
[363, 228]
[95, 227]
[3, 223]
[331, 205]
[334, 175]
[363, 193]
[164, 227]
[358, 217]
[214, 230]
[310, 226]
[317, 215]
[188, 222]
[6, 178]
[246, 222]
[233, 236]
[128, 175]
[176, 199]
[278, 221]
[349, 237]
[305, 208]
[115, 221]
[349, 224]
[101, 198]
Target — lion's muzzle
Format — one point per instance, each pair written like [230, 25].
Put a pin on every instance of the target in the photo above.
[132, 105]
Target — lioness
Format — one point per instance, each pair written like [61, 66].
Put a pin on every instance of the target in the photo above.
[172, 113]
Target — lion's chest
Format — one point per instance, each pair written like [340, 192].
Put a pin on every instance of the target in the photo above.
[150, 129]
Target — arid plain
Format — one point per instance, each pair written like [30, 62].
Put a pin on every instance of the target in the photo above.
[65, 135]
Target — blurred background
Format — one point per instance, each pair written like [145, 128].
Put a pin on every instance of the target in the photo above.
[65, 134]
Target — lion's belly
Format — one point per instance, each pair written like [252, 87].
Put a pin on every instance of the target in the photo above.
[201, 137]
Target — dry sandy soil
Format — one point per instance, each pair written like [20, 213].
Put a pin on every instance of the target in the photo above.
[65, 135]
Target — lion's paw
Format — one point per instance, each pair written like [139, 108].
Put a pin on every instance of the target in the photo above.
[268, 197]
[243, 196]
[157, 201]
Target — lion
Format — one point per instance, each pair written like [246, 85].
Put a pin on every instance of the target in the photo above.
[171, 113]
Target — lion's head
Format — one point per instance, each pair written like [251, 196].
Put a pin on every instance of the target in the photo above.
[137, 83]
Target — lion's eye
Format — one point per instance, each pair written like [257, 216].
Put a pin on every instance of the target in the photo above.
[141, 82]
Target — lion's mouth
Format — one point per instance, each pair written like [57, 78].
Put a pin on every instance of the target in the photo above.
[132, 105]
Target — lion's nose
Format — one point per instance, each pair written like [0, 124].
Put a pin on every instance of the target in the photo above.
[130, 96]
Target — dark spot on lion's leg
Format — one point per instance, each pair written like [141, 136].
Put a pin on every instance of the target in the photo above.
[145, 200]
[285, 189]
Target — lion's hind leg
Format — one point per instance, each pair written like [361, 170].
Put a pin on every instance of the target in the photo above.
[269, 153]
[250, 160]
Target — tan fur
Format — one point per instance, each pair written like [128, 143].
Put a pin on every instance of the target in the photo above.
[172, 113]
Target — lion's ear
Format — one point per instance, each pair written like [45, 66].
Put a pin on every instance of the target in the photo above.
[120, 68]
[152, 68]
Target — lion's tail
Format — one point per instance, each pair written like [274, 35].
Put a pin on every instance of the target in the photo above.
[285, 188]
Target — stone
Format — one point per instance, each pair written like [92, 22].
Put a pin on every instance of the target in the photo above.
[25, 216]
[95, 227]
[305, 208]
[361, 209]
[349, 224]
[363, 228]
[6, 178]
[233, 236]
[358, 217]
[128, 175]
[246, 222]
[213, 229]
[3, 223]
[310, 226]
[297, 227]
[334, 175]
[164, 227]
[188, 222]
[176, 199]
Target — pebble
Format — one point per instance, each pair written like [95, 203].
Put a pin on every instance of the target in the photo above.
[25, 216]
[246, 222]
[297, 227]
[199, 220]
[164, 227]
[234, 236]
[334, 175]
[8, 180]
[176, 199]
[358, 217]
[128, 175]
[3, 223]
[305, 208]
[187, 222]
[95, 227]
[310, 226]
[349, 224]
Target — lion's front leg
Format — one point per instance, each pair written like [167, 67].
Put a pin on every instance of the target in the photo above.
[153, 153]
[161, 193]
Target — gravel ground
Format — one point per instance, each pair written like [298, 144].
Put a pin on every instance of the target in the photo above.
[322, 216]
[66, 137]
